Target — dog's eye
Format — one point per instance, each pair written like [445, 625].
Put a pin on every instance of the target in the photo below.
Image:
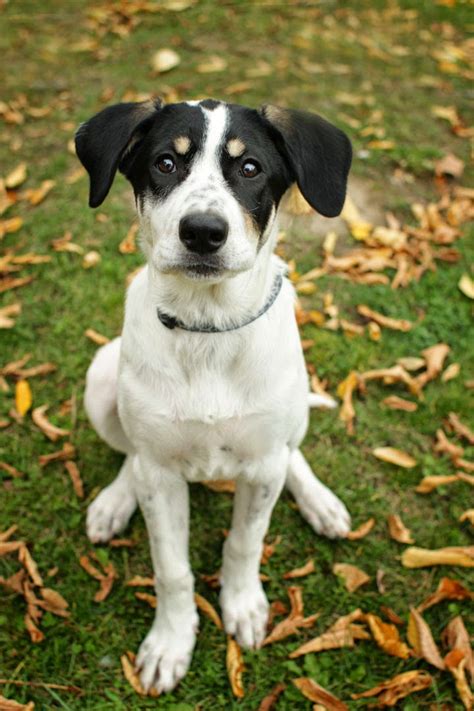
[250, 169]
[166, 164]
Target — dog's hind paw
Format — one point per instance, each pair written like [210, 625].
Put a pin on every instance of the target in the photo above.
[245, 614]
[110, 513]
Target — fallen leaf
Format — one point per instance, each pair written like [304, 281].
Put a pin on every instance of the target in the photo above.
[106, 583]
[51, 431]
[384, 321]
[164, 60]
[91, 259]
[220, 485]
[270, 700]
[96, 337]
[455, 636]
[235, 667]
[11, 470]
[460, 429]
[128, 244]
[295, 619]
[10, 547]
[67, 452]
[444, 446]
[451, 372]
[10, 705]
[207, 609]
[466, 285]
[131, 675]
[453, 555]
[345, 390]
[391, 615]
[30, 566]
[411, 363]
[5, 535]
[398, 403]
[65, 244]
[314, 692]
[139, 580]
[398, 530]
[13, 224]
[353, 577]
[434, 358]
[6, 313]
[340, 634]
[122, 543]
[395, 374]
[449, 165]
[149, 599]
[465, 516]
[456, 663]
[75, 476]
[23, 397]
[36, 635]
[399, 687]
[387, 637]
[361, 531]
[37, 195]
[16, 177]
[430, 483]
[394, 456]
[300, 572]
[213, 63]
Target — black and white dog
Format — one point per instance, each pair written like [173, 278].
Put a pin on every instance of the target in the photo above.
[208, 380]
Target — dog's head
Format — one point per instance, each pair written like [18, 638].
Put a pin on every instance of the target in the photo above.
[208, 176]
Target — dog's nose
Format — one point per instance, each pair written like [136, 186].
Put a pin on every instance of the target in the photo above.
[203, 232]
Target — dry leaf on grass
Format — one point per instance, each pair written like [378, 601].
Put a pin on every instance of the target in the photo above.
[23, 397]
[51, 431]
[295, 619]
[361, 531]
[151, 600]
[139, 580]
[128, 244]
[312, 691]
[67, 452]
[391, 615]
[444, 446]
[430, 483]
[16, 177]
[75, 476]
[10, 546]
[353, 577]
[37, 195]
[447, 589]
[398, 403]
[451, 372]
[389, 376]
[29, 564]
[96, 337]
[106, 578]
[459, 428]
[420, 637]
[128, 667]
[387, 637]
[384, 321]
[10, 705]
[449, 165]
[341, 634]
[466, 286]
[455, 636]
[235, 667]
[456, 664]
[397, 530]
[270, 700]
[434, 357]
[11, 470]
[345, 390]
[452, 555]
[401, 686]
[465, 516]
[164, 60]
[5, 535]
[301, 572]
[91, 259]
[36, 635]
[220, 486]
[14, 283]
[394, 456]
[122, 543]
[207, 609]
[6, 313]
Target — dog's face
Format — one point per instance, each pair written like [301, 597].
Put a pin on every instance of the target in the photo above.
[208, 176]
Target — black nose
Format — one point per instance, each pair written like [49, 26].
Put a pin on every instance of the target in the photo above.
[203, 232]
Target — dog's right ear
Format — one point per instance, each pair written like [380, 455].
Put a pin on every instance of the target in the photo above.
[102, 142]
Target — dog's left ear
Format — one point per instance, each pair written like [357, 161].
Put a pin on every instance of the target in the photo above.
[318, 153]
[104, 140]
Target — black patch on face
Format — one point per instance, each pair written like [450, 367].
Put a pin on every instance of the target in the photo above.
[210, 104]
[141, 165]
[258, 194]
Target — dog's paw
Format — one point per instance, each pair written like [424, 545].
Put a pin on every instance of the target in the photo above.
[326, 514]
[110, 513]
[164, 657]
[245, 614]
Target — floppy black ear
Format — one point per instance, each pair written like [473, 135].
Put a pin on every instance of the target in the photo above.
[102, 142]
[319, 154]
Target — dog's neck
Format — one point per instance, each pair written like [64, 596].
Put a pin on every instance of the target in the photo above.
[225, 304]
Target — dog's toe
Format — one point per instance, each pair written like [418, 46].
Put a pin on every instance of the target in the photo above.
[245, 614]
[109, 514]
[164, 658]
[327, 515]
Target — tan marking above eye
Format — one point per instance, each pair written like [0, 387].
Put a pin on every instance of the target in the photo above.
[235, 147]
[182, 144]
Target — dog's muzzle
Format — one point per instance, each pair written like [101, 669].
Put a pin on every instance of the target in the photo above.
[203, 232]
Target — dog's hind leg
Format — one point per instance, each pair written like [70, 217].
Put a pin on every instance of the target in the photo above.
[111, 510]
[317, 504]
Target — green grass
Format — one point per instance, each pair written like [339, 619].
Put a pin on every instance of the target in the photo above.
[40, 59]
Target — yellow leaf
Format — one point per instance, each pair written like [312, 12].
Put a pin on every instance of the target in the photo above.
[353, 577]
[453, 555]
[23, 397]
[392, 690]
[420, 637]
[16, 177]
[312, 691]
[387, 637]
[362, 530]
[466, 285]
[394, 456]
[398, 530]
[235, 667]
[164, 60]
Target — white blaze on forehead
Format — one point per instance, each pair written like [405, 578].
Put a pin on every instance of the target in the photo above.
[235, 147]
[216, 124]
[182, 144]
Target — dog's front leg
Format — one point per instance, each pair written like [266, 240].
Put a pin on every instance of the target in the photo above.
[243, 601]
[165, 654]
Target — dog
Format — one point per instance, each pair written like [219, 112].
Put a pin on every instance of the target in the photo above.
[208, 379]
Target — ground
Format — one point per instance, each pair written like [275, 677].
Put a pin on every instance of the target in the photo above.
[345, 60]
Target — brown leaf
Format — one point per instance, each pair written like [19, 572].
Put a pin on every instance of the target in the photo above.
[451, 372]
[151, 600]
[384, 321]
[420, 637]
[208, 610]
[312, 691]
[106, 583]
[270, 700]
[10, 705]
[353, 577]
[6, 313]
[23, 397]
[36, 196]
[122, 543]
[35, 633]
[10, 547]
[449, 165]
[139, 580]
[398, 530]
[128, 667]
[42, 369]
[444, 446]
[398, 403]
[73, 471]
[345, 390]
[456, 663]
[391, 615]
[295, 619]
[5, 535]
[29, 564]
[221, 485]
[401, 686]
[460, 429]
[395, 374]
[465, 516]
[301, 572]
[128, 245]
[235, 667]
[16, 177]
[387, 637]
[455, 636]
[91, 259]
[466, 286]
[67, 452]
[87, 565]
[164, 60]
[430, 483]
[361, 531]
[394, 456]
[434, 357]
[447, 589]
[96, 337]
[453, 555]
[340, 634]
[51, 431]
[12, 471]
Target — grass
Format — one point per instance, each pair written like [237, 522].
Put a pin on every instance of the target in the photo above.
[321, 55]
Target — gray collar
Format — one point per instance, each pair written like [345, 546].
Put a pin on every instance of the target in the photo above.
[173, 322]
